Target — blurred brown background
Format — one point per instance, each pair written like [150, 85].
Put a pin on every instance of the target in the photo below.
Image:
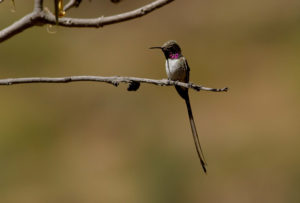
[92, 142]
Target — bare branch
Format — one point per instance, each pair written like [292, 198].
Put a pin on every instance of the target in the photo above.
[41, 17]
[38, 5]
[133, 82]
[71, 4]
[102, 21]
[26, 22]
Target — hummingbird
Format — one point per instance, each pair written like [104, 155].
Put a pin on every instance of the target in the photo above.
[178, 69]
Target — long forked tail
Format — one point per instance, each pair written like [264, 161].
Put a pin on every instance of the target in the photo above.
[195, 134]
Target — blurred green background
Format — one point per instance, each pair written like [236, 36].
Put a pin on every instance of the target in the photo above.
[92, 142]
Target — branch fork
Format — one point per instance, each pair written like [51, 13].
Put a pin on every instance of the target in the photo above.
[39, 16]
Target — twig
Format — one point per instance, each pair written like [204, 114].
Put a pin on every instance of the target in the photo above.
[38, 5]
[41, 17]
[71, 4]
[133, 82]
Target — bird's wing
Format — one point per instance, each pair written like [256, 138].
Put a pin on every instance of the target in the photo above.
[186, 66]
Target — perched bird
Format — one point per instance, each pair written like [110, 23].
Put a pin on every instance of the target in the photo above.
[178, 69]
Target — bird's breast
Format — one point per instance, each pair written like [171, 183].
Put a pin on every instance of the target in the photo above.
[175, 70]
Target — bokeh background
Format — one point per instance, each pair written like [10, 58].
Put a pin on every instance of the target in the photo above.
[92, 142]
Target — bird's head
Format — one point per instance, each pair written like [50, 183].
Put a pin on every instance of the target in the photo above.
[171, 49]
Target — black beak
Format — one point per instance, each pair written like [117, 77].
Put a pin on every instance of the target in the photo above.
[155, 48]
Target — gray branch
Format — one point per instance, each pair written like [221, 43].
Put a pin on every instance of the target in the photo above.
[40, 17]
[71, 4]
[38, 5]
[134, 83]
